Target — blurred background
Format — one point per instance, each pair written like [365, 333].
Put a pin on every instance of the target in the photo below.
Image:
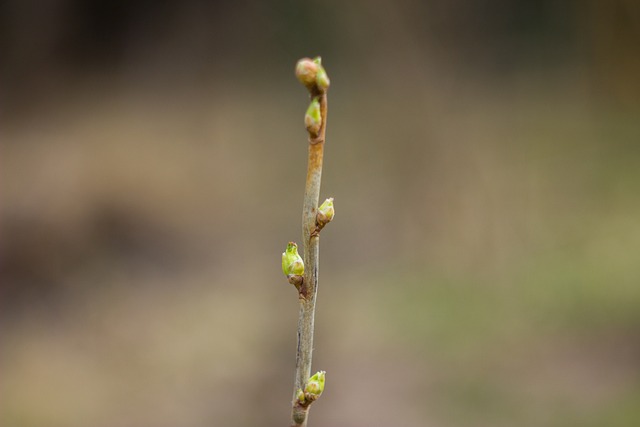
[483, 268]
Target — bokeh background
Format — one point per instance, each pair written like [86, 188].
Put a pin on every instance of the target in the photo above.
[483, 268]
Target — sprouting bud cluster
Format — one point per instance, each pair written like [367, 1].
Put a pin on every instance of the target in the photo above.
[315, 385]
[292, 265]
[312, 74]
[312, 390]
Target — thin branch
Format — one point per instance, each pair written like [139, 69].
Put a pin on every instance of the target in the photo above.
[311, 245]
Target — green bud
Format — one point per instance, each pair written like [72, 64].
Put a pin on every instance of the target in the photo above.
[313, 118]
[326, 212]
[307, 72]
[291, 261]
[300, 396]
[315, 385]
[322, 79]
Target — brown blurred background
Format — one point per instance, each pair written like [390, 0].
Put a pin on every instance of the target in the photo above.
[483, 268]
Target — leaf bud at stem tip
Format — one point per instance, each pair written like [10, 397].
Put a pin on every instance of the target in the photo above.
[312, 75]
[307, 72]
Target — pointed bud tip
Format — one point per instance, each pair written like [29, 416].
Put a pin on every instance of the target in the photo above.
[327, 202]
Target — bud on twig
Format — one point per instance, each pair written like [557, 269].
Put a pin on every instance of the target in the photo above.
[300, 396]
[315, 385]
[325, 212]
[312, 390]
[322, 79]
[313, 118]
[306, 72]
[312, 75]
[292, 265]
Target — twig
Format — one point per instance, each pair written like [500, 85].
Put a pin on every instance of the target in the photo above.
[314, 77]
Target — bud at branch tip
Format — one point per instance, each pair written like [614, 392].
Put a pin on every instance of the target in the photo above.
[306, 72]
[312, 74]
